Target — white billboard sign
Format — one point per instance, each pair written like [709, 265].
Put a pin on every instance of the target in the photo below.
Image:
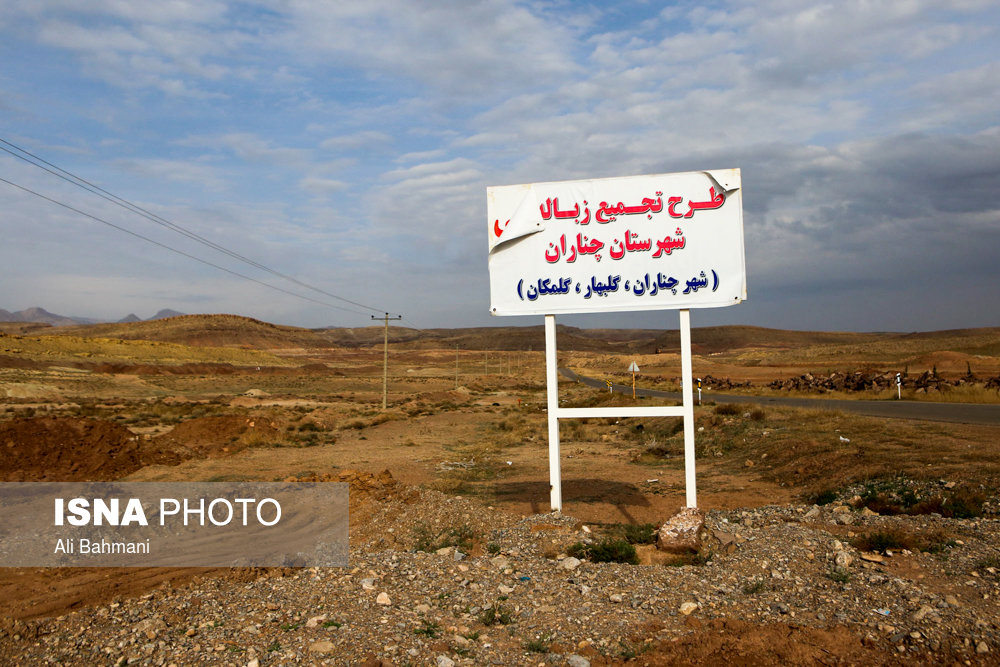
[617, 244]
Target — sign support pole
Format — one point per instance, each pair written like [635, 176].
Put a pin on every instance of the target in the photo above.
[555, 413]
[688, 396]
[552, 383]
[385, 358]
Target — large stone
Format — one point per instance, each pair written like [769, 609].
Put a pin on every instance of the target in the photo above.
[321, 647]
[681, 533]
[688, 608]
[570, 563]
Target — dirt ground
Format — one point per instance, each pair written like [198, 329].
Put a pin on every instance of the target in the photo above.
[468, 423]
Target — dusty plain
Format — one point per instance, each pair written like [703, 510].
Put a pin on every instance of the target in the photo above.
[832, 538]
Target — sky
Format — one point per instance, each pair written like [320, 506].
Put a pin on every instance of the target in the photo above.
[349, 145]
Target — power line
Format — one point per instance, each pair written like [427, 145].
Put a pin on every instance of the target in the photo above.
[82, 183]
[175, 250]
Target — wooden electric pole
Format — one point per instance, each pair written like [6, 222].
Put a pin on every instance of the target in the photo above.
[385, 358]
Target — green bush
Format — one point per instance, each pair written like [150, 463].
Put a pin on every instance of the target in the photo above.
[606, 551]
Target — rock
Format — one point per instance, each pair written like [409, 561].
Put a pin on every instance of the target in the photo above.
[872, 558]
[505, 590]
[315, 621]
[368, 584]
[444, 661]
[254, 663]
[681, 533]
[952, 601]
[574, 660]
[615, 597]
[383, 599]
[982, 647]
[570, 563]
[321, 647]
[921, 613]
[422, 609]
[688, 607]
[843, 559]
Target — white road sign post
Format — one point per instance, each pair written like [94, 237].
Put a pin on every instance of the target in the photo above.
[657, 242]
[634, 368]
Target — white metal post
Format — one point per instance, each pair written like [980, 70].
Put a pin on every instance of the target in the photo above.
[552, 383]
[688, 394]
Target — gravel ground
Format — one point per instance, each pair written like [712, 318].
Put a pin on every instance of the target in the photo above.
[787, 577]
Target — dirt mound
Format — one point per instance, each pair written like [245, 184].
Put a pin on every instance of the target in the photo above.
[365, 486]
[164, 369]
[736, 642]
[369, 495]
[216, 436]
[66, 449]
[7, 361]
[205, 330]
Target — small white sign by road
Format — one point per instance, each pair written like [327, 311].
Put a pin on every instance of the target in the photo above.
[633, 368]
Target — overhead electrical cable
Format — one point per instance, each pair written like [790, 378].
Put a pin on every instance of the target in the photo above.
[175, 250]
[69, 177]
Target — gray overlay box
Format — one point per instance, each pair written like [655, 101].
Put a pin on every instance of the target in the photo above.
[311, 529]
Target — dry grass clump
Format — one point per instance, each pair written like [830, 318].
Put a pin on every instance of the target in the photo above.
[888, 539]
[899, 495]
[426, 538]
[371, 419]
[608, 550]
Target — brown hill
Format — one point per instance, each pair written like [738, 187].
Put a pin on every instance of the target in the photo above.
[248, 333]
[204, 331]
[496, 338]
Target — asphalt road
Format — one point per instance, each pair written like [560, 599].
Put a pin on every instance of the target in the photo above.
[961, 413]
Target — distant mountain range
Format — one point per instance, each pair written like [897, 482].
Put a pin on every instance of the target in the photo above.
[43, 316]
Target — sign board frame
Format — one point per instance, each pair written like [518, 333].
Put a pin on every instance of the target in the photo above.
[677, 243]
[545, 258]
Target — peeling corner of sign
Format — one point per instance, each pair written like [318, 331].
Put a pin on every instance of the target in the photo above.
[521, 222]
[724, 180]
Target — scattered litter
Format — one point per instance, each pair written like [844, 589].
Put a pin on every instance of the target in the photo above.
[510, 463]
[446, 466]
[652, 481]
[524, 578]
[843, 439]
[884, 612]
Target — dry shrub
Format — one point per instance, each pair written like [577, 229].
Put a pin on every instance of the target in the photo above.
[897, 538]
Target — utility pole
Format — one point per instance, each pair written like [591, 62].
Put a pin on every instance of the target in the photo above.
[385, 358]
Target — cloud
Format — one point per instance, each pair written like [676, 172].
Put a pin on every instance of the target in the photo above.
[361, 139]
[321, 186]
[345, 139]
[181, 171]
[249, 147]
[480, 49]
